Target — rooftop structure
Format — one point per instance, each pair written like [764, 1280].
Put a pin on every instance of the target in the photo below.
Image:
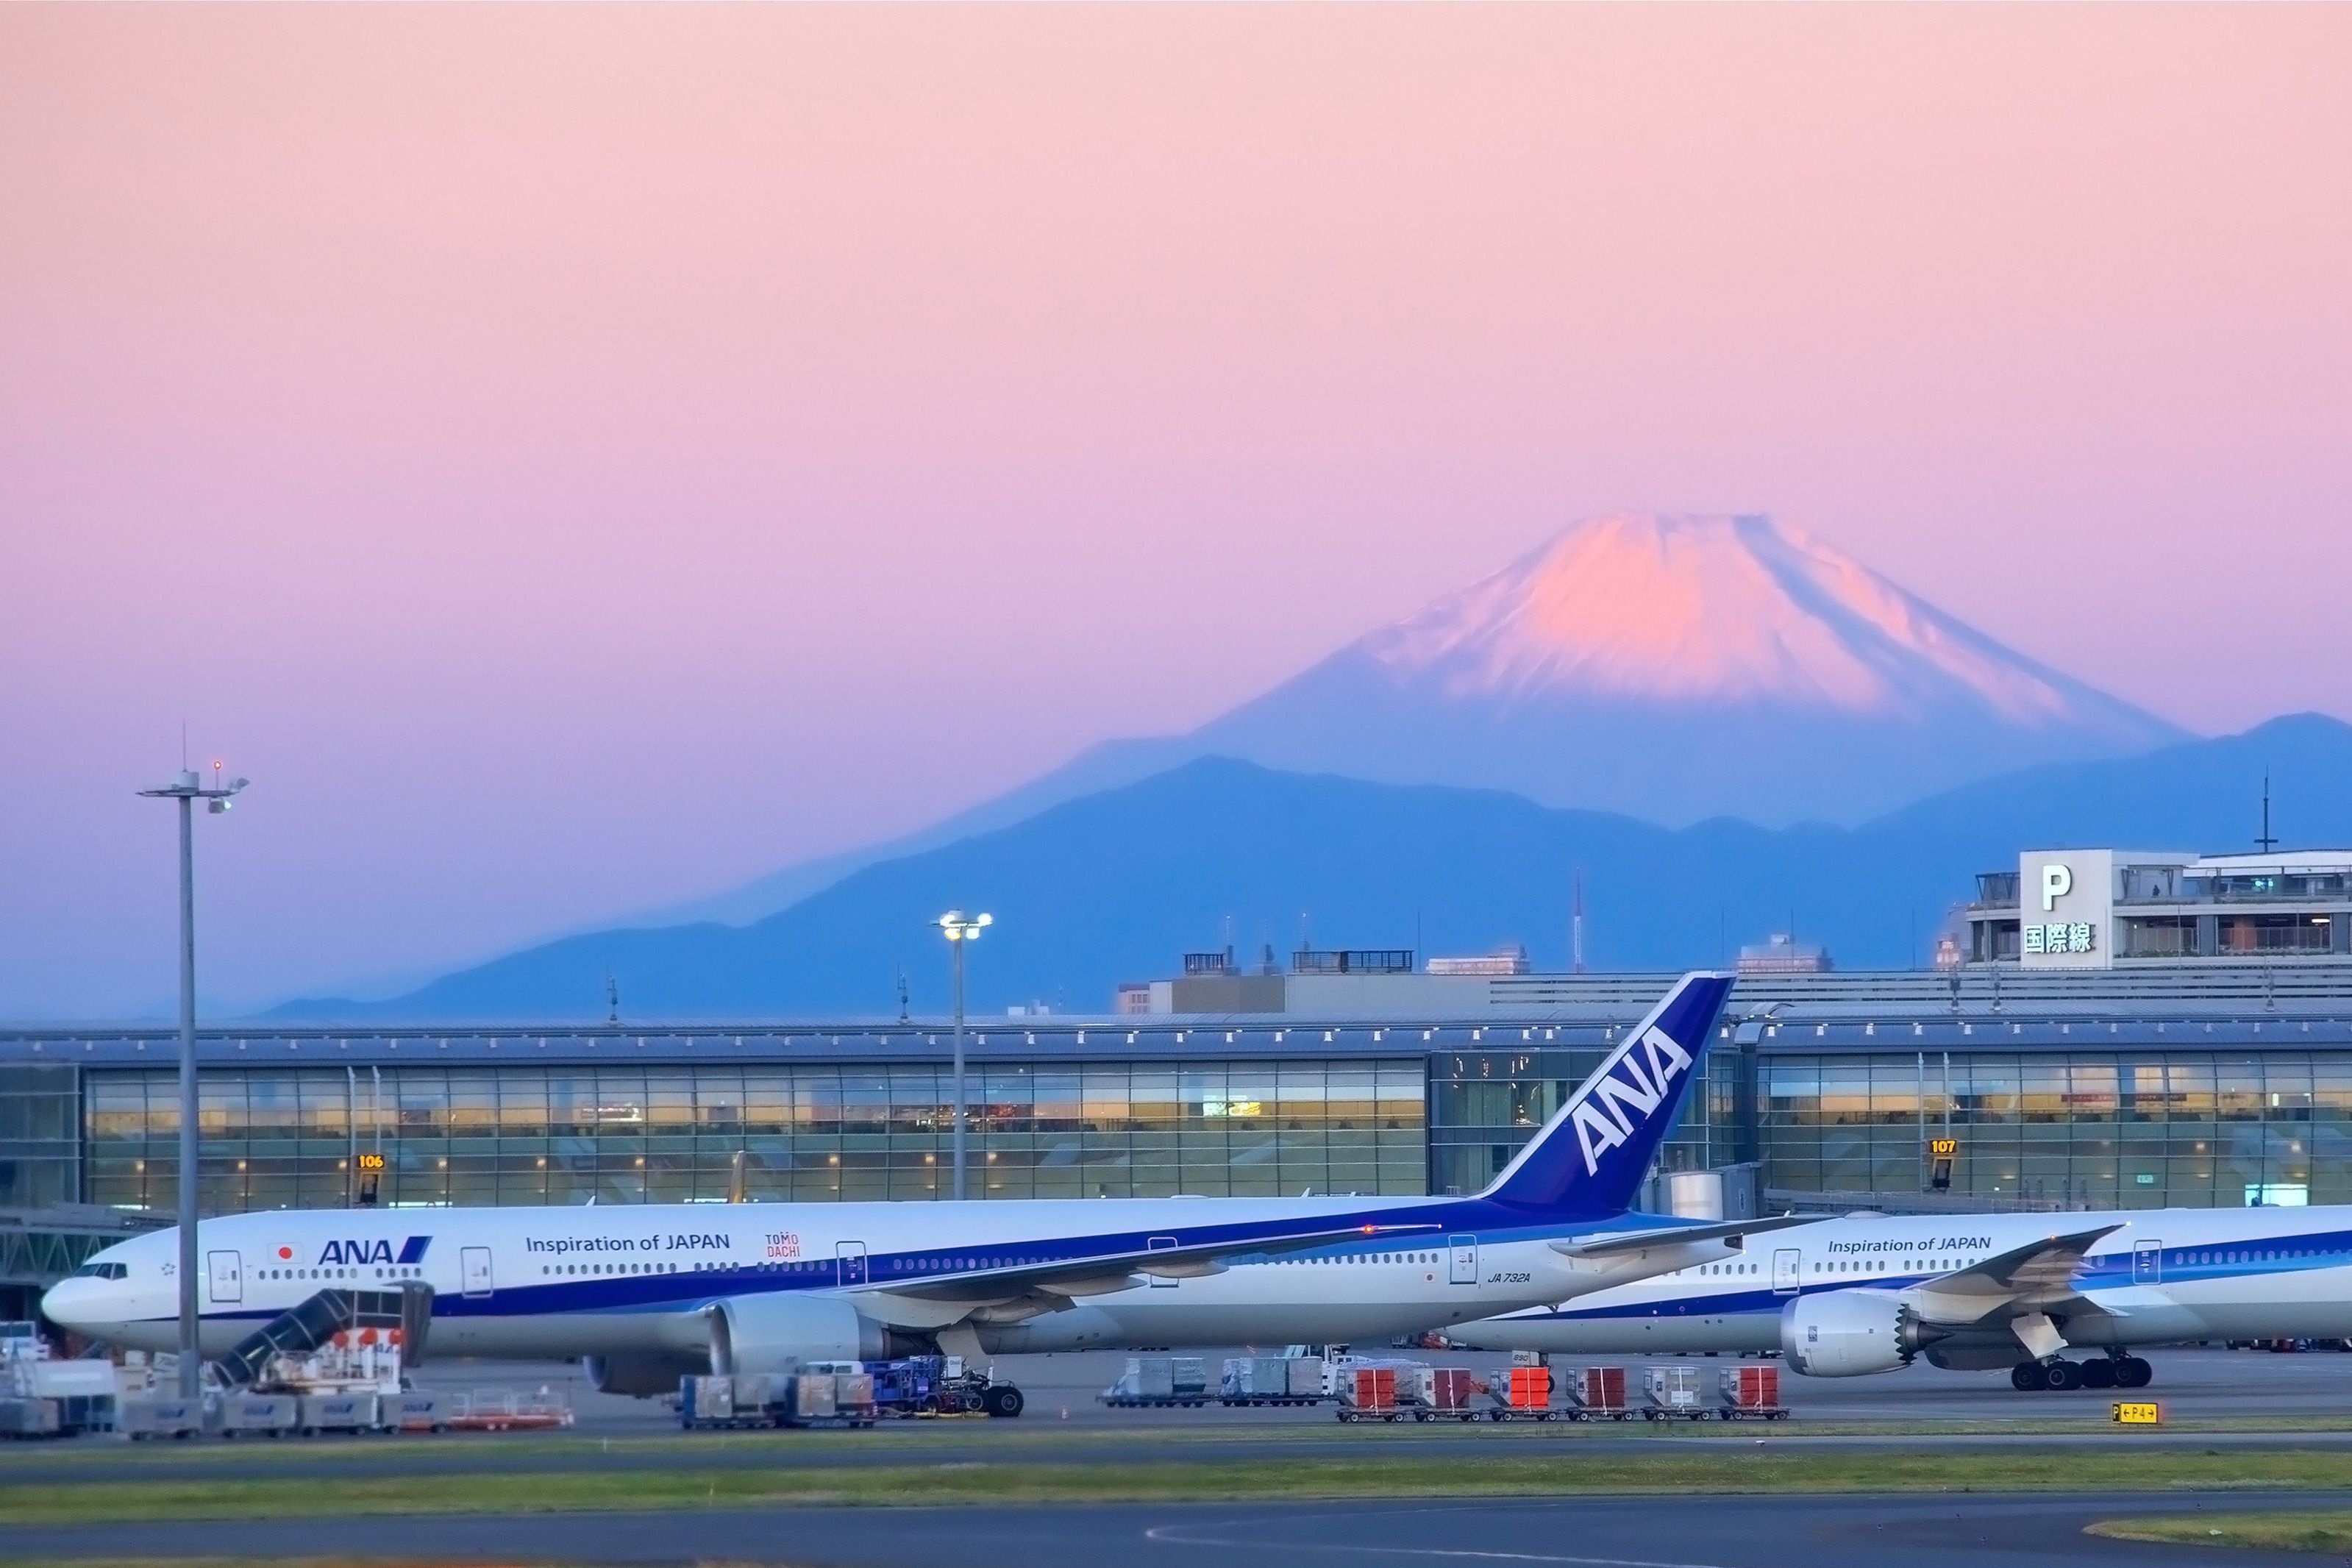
[2107, 909]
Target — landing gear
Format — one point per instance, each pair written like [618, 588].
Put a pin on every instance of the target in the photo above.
[1003, 1401]
[2061, 1375]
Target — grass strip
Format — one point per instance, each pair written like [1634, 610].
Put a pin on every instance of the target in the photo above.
[998, 1438]
[2319, 1530]
[966, 1483]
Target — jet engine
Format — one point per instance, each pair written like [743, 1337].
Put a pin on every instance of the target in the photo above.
[779, 1333]
[639, 1376]
[1845, 1334]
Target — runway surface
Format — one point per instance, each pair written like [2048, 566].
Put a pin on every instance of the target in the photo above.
[1932, 1532]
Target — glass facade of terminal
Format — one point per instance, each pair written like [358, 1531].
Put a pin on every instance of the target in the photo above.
[41, 1135]
[528, 1133]
[2075, 1130]
[1484, 1104]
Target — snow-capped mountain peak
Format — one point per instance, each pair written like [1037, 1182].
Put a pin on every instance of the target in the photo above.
[1706, 610]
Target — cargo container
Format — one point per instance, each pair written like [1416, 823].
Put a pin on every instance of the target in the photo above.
[1443, 1393]
[159, 1416]
[1672, 1393]
[1369, 1393]
[273, 1414]
[1159, 1381]
[1752, 1392]
[1598, 1394]
[339, 1412]
[24, 1417]
[413, 1411]
[1271, 1380]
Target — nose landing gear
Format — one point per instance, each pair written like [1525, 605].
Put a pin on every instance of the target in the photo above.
[2061, 1375]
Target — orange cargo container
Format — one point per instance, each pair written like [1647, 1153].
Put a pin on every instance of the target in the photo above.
[1531, 1387]
[1753, 1391]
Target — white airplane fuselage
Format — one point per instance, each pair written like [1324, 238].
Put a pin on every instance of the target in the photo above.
[2163, 1276]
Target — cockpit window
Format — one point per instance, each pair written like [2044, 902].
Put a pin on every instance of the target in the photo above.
[102, 1271]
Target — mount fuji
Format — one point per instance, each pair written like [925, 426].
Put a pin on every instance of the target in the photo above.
[1671, 668]
[1677, 668]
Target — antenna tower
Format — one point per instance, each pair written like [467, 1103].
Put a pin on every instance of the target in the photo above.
[1576, 928]
[2266, 843]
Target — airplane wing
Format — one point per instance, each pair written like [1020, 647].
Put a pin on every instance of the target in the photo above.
[2023, 1282]
[1104, 1272]
[1670, 1236]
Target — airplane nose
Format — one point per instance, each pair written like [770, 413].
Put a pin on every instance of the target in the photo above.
[68, 1304]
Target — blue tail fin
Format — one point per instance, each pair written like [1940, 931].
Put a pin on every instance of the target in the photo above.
[1590, 1157]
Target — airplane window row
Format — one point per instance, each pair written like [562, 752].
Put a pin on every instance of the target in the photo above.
[401, 1273]
[608, 1268]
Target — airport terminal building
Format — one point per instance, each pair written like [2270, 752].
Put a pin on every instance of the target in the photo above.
[2209, 1080]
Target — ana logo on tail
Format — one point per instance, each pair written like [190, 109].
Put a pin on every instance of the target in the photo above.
[1630, 1085]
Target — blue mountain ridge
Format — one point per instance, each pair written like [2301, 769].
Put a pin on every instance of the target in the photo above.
[1114, 885]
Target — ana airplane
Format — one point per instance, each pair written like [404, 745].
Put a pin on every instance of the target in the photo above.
[650, 1291]
[1971, 1292]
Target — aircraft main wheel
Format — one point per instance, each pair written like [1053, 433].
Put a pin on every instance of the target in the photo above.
[2099, 1374]
[2065, 1375]
[2029, 1377]
[2132, 1372]
[1002, 1400]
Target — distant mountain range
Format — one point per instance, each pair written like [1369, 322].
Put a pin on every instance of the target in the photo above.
[1114, 885]
[1671, 668]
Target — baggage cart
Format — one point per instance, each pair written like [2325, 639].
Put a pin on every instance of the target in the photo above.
[339, 1413]
[853, 1397]
[1309, 1378]
[1751, 1393]
[414, 1411]
[1159, 1381]
[159, 1416]
[1598, 1394]
[1267, 1380]
[1673, 1394]
[706, 1401]
[1442, 1393]
[258, 1414]
[499, 1410]
[21, 1417]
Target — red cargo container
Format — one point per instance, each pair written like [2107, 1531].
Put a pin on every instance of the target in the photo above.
[1369, 1393]
[1753, 1391]
[1601, 1390]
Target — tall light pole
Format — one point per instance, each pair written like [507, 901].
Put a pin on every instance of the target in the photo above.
[188, 789]
[959, 929]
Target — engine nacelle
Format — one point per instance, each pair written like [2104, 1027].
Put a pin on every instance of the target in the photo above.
[780, 1333]
[1845, 1334]
[639, 1376]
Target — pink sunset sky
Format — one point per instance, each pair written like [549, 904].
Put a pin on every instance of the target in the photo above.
[576, 459]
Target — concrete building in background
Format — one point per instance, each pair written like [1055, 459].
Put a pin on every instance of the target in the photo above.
[2105, 909]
